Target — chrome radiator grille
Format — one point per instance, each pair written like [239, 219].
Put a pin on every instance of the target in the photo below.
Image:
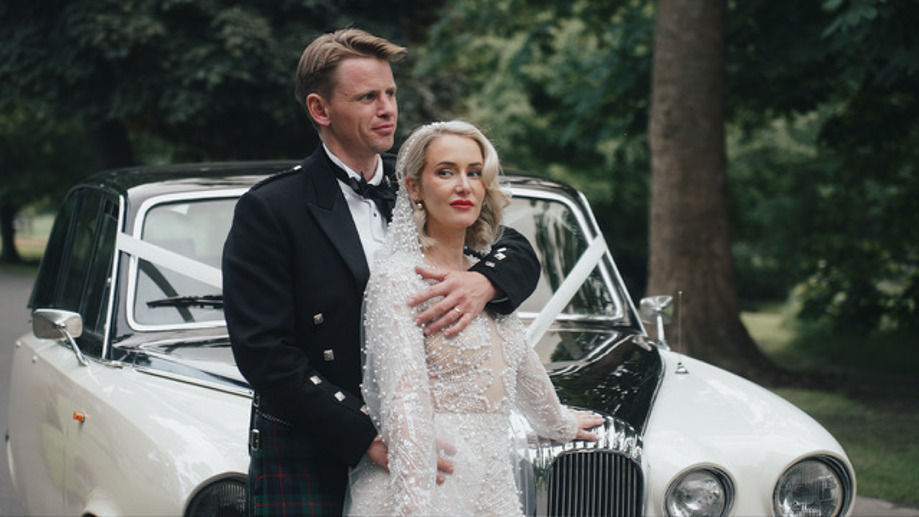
[594, 482]
[589, 479]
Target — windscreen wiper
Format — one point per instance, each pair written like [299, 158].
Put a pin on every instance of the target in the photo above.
[214, 301]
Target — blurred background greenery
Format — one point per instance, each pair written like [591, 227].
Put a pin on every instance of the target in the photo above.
[822, 133]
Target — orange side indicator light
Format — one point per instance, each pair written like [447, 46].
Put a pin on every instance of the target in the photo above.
[79, 416]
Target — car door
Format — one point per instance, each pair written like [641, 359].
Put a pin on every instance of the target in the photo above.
[46, 392]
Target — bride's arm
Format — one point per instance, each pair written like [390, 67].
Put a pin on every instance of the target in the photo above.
[537, 400]
[397, 392]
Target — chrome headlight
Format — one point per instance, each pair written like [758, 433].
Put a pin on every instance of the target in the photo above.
[814, 487]
[703, 491]
[225, 498]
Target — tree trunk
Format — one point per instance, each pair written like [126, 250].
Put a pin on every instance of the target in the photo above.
[111, 144]
[7, 218]
[690, 246]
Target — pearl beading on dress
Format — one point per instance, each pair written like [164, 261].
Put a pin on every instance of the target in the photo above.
[424, 391]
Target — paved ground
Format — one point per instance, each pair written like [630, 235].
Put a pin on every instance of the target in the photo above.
[865, 506]
[14, 321]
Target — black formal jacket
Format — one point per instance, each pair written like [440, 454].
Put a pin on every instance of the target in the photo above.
[294, 274]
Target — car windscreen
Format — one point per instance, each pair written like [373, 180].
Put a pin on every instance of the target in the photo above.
[167, 292]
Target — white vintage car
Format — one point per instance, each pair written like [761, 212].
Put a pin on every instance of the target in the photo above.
[125, 400]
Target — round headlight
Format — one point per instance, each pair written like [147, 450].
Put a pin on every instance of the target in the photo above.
[223, 498]
[699, 492]
[810, 487]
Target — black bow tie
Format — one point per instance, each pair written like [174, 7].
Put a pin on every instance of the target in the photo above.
[384, 194]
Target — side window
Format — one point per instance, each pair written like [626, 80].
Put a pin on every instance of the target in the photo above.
[94, 304]
[559, 241]
[44, 292]
[75, 273]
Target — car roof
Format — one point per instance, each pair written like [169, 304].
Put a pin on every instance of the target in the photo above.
[142, 182]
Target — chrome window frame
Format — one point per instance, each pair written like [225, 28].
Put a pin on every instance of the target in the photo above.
[136, 231]
[113, 281]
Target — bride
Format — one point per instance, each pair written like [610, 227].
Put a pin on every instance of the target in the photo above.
[450, 397]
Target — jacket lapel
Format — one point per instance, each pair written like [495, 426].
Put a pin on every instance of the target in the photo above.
[331, 213]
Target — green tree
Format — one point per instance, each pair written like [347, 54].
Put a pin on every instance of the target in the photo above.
[39, 158]
[214, 78]
[819, 110]
[690, 238]
[843, 77]
[203, 80]
[200, 74]
[562, 88]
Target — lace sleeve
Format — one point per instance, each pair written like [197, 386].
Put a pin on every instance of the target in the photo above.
[537, 400]
[397, 392]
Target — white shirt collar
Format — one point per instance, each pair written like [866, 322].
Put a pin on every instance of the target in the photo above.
[374, 180]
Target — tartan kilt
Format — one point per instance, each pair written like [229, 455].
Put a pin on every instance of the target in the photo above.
[291, 475]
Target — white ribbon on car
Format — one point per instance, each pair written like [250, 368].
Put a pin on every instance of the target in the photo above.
[160, 256]
[565, 292]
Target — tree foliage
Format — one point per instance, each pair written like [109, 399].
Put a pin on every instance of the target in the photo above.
[176, 80]
[563, 89]
[821, 118]
[39, 158]
[835, 193]
[213, 77]
[821, 111]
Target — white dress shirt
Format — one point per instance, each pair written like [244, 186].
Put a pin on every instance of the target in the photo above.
[370, 222]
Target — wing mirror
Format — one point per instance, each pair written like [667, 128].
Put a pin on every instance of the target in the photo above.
[59, 324]
[658, 310]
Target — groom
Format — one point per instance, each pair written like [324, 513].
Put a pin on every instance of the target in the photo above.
[295, 265]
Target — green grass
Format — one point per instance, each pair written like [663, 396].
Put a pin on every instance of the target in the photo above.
[881, 439]
[874, 413]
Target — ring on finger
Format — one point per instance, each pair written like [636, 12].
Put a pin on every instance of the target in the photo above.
[458, 311]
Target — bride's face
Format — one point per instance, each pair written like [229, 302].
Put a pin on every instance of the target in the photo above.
[451, 189]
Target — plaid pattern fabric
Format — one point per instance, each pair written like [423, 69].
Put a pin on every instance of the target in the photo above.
[289, 476]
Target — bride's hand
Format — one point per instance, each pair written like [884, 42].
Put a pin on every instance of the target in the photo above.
[444, 466]
[378, 453]
[587, 420]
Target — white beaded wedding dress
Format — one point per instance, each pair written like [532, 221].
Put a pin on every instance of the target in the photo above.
[424, 392]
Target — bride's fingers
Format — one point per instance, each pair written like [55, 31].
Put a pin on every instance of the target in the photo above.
[444, 466]
[586, 436]
[586, 421]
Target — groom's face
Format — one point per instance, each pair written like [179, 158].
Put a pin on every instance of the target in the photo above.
[362, 110]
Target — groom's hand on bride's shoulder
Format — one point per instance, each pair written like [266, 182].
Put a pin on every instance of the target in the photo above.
[465, 294]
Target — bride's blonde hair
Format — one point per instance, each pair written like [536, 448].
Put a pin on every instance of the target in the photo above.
[410, 165]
